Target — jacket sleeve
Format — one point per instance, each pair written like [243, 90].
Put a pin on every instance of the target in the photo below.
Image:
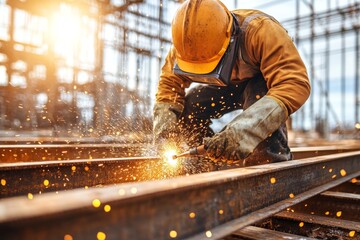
[171, 88]
[270, 48]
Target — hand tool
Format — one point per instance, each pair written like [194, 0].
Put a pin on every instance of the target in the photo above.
[195, 151]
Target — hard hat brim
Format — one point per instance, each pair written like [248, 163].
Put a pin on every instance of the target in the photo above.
[198, 68]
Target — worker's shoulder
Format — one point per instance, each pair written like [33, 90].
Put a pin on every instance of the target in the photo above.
[245, 16]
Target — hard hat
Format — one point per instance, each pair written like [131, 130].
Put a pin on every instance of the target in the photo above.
[201, 31]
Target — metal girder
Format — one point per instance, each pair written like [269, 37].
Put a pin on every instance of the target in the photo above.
[306, 152]
[256, 233]
[319, 227]
[46, 152]
[332, 204]
[199, 206]
[24, 178]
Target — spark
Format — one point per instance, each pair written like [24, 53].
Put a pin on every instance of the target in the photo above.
[107, 208]
[46, 182]
[273, 180]
[30, 196]
[301, 224]
[352, 233]
[68, 237]
[208, 234]
[3, 182]
[133, 190]
[101, 236]
[173, 234]
[339, 213]
[96, 203]
[169, 157]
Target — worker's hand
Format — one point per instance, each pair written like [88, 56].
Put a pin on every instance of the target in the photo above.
[241, 136]
[165, 122]
[224, 145]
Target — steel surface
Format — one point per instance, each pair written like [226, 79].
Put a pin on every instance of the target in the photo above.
[49, 152]
[194, 207]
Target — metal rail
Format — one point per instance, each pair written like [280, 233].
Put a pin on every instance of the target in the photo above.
[49, 176]
[198, 206]
[48, 152]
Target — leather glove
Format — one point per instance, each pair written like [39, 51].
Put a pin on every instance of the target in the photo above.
[241, 136]
[165, 122]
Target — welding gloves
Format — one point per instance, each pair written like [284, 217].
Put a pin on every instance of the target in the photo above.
[165, 122]
[241, 136]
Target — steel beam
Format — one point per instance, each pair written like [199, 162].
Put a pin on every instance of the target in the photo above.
[198, 206]
[256, 233]
[332, 204]
[48, 152]
[50, 176]
[319, 227]
[306, 152]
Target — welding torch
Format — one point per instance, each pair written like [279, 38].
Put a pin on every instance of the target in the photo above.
[195, 151]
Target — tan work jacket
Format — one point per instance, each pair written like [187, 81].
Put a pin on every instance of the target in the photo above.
[266, 48]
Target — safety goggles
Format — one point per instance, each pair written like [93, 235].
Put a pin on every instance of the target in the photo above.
[221, 75]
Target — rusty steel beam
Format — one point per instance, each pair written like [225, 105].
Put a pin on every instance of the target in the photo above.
[332, 204]
[50, 176]
[257, 233]
[320, 227]
[48, 152]
[24, 178]
[306, 152]
[198, 206]
[41, 177]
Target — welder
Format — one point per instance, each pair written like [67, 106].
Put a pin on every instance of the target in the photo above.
[242, 60]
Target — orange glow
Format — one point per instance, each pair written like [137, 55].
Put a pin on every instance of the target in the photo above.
[273, 180]
[68, 237]
[339, 213]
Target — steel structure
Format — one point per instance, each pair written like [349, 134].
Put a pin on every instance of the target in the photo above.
[79, 66]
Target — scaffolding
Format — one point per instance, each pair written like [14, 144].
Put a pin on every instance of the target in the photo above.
[88, 66]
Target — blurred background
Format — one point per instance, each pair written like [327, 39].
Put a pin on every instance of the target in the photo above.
[89, 68]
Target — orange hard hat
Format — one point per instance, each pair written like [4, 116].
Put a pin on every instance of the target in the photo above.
[201, 31]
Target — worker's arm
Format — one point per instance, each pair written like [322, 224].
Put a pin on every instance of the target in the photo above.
[270, 48]
[169, 100]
